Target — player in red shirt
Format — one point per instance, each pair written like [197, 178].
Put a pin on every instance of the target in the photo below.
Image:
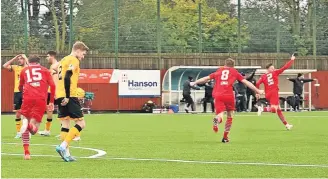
[34, 82]
[271, 82]
[223, 93]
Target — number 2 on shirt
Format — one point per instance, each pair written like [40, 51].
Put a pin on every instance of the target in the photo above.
[225, 75]
[270, 79]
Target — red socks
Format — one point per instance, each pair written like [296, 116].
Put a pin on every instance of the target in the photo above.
[227, 128]
[26, 149]
[281, 116]
[26, 142]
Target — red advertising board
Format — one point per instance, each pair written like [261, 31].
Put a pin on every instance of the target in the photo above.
[95, 75]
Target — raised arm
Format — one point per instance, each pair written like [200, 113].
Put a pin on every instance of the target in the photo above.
[7, 65]
[286, 66]
[251, 76]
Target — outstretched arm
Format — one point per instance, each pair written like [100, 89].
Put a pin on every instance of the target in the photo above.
[291, 79]
[200, 81]
[309, 80]
[287, 65]
[251, 86]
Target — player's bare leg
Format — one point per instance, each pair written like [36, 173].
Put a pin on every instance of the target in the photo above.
[46, 131]
[228, 124]
[79, 125]
[216, 121]
[277, 109]
[18, 124]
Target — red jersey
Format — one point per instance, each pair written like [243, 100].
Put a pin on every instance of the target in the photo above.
[271, 79]
[225, 78]
[34, 82]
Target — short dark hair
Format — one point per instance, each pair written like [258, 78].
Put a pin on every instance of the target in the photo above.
[299, 75]
[34, 59]
[52, 53]
[268, 65]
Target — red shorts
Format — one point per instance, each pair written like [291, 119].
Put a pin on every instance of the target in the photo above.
[224, 103]
[273, 98]
[34, 108]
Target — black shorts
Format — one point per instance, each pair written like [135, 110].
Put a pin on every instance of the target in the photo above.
[18, 100]
[71, 110]
[188, 99]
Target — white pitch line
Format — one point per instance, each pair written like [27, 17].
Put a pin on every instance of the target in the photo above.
[39, 155]
[192, 161]
[99, 152]
[221, 162]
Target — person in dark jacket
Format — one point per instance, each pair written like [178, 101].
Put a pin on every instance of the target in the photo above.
[208, 95]
[187, 94]
[298, 84]
[250, 92]
[241, 89]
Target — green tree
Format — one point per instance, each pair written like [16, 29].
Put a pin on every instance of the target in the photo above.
[180, 28]
[94, 24]
[12, 26]
[137, 26]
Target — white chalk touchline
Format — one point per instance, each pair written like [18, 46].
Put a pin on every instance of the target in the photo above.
[99, 152]
[192, 161]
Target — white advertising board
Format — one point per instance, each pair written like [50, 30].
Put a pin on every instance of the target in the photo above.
[139, 83]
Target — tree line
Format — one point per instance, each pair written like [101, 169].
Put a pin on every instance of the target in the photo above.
[262, 22]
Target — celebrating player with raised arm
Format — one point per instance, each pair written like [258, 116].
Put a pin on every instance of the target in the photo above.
[34, 82]
[271, 82]
[67, 95]
[22, 63]
[223, 93]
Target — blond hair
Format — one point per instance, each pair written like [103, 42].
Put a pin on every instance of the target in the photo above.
[80, 46]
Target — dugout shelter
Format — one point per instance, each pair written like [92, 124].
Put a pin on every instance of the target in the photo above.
[175, 76]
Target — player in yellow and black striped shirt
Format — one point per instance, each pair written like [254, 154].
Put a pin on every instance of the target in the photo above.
[21, 63]
[67, 95]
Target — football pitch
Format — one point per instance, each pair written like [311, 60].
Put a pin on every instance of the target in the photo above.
[176, 146]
